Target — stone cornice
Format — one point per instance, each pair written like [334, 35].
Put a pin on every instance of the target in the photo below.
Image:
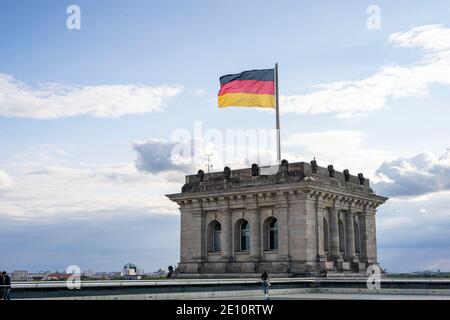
[261, 196]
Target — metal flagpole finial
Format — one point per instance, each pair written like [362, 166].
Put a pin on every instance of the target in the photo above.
[209, 165]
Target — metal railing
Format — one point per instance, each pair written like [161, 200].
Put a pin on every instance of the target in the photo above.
[149, 288]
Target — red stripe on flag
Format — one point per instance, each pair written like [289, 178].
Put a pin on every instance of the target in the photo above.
[248, 86]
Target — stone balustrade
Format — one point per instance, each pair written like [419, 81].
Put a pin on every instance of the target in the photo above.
[269, 175]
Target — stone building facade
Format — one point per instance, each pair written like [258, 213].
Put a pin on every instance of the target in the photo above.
[291, 219]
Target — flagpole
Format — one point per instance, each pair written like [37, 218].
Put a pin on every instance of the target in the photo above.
[277, 110]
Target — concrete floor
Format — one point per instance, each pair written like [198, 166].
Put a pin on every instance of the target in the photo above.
[338, 296]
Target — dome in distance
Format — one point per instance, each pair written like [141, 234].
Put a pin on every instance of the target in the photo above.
[130, 266]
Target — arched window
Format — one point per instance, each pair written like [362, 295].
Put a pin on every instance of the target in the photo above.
[326, 240]
[273, 234]
[357, 237]
[217, 231]
[244, 236]
[341, 238]
[214, 237]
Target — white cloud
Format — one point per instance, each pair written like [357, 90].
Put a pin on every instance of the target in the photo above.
[402, 220]
[394, 223]
[48, 184]
[327, 142]
[55, 100]
[414, 229]
[5, 180]
[429, 37]
[361, 96]
[156, 155]
[184, 156]
[54, 189]
[415, 176]
[341, 148]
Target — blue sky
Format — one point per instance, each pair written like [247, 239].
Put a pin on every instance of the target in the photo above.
[78, 108]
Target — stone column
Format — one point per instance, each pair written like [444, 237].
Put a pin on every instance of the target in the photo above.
[363, 235]
[198, 235]
[350, 236]
[322, 258]
[320, 241]
[374, 230]
[371, 236]
[226, 236]
[283, 232]
[185, 251]
[334, 234]
[255, 234]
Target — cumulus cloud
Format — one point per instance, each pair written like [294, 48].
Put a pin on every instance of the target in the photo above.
[56, 100]
[5, 180]
[411, 239]
[44, 189]
[342, 148]
[360, 97]
[102, 243]
[429, 37]
[184, 156]
[415, 176]
[158, 155]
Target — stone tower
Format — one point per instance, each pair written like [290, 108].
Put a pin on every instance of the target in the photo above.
[290, 220]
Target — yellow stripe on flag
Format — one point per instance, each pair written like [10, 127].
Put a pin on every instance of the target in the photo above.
[247, 100]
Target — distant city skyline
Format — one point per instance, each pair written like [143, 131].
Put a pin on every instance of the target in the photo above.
[87, 118]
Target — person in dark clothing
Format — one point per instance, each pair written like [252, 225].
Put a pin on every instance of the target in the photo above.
[2, 285]
[7, 287]
[265, 284]
[169, 274]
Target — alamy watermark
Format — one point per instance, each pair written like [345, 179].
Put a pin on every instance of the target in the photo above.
[229, 146]
[374, 279]
[373, 22]
[73, 21]
[74, 280]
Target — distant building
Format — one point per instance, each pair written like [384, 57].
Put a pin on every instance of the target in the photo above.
[129, 269]
[130, 272]
[36, 276]
[160, 272]
[88, 273]
[106, 275]
[56, 276]
[20, 275]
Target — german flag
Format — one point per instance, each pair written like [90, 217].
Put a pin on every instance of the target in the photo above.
[254, 88]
